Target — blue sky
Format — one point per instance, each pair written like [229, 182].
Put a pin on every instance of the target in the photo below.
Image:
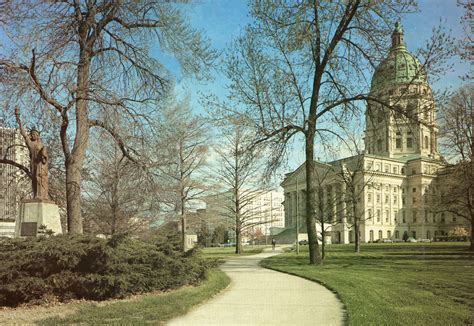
[223, 20]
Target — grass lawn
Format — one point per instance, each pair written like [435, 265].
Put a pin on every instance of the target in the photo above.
[394, 284]
[146, 309]
[227, 252]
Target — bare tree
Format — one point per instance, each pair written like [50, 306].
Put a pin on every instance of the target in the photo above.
[356, 181]
[456, 182]
[237, 171]
[301, 68]
[81, 58]
[119, 195]
[327, 213]
[184, 143]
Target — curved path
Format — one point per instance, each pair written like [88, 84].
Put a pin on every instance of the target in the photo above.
[259, 296]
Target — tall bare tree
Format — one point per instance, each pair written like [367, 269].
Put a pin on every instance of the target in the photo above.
[301, 68]
[457, 179]
[237, 171]
[80, 58]
[184, 144]
[119, 195]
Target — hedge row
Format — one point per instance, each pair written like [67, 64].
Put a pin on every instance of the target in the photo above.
[85, 267]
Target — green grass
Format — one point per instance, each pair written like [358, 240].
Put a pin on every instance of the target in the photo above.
[394, 284]
[148, 309]
[227, 252]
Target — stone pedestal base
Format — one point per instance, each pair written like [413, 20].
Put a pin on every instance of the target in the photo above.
[34, 213]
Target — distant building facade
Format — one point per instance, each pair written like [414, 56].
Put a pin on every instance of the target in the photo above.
[261, 207]
[394, 177]
[14, 185]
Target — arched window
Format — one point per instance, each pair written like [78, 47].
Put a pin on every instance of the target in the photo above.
[426, 142]
[428, 234]
[397, 235]
[371, 235]
[380, 234]
[389, 234]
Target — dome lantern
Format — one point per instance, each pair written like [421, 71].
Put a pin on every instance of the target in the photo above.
[397, 37]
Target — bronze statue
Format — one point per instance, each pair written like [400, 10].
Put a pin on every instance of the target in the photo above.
[38, 160]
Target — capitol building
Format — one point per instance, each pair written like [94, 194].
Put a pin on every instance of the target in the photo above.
[388, 185]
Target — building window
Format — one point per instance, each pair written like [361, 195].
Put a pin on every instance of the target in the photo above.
[380, 234]
[426, 139]
[398, 140]
[389, 234]
[386, 216]
[409, 140]
[442, 218]
[379, 145]
[403, 217]
[413, 234]
[369, 197]
[378, 215]
[426, 217]
[394, 199]
[414, 216]
[371, 235]
[378, 198]
[414, 190]
[397, 235]
[370, 213]
[403, 171]
[428, 234]
[414, 200]
[403, 200]
[395, 170]
[386, 199]
[454, 218]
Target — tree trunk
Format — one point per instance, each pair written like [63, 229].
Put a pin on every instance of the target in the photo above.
[75, 159]
[314, 254]
[356, 239]
[323, 243]
[356, 229]
[73, 197]
[238, 245]
[183, 231]
[471, 248]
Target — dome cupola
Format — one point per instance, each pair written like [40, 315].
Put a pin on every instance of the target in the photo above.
[400, 67]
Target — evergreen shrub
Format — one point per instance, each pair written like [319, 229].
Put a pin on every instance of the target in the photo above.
[86, 267]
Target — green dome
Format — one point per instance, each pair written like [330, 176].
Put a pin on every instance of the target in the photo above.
[400, 67]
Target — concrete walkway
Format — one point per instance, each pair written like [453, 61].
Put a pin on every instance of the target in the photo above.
[258, 296]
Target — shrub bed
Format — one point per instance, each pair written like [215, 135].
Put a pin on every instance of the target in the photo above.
[85, 267]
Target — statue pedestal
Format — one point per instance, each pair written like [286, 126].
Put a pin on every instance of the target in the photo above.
[34, 213]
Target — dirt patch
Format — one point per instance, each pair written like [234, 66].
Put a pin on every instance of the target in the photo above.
[29, 315]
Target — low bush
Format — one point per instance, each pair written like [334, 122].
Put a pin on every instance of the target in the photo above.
[85, 267]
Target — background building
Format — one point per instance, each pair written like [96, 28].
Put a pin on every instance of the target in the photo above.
[393, 180]
[14, 184]
[262, 210]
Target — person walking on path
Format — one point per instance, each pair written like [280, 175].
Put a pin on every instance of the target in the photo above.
[273, 244]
